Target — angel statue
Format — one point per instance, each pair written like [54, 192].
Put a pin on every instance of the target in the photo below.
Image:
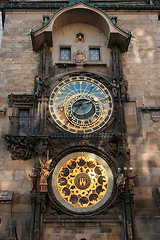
[44, 174]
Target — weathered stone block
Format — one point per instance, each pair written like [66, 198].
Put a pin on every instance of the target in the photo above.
[114, 236]
[69, 236]
[21, 209]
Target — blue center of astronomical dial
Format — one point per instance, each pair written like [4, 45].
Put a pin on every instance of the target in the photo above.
[83, 109]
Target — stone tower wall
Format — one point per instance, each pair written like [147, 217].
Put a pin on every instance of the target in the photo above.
[19, 65]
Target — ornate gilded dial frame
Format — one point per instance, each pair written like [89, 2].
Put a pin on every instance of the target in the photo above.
[81, 104]
[82, 182]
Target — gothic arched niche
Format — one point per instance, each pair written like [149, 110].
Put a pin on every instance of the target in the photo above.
[81, 13]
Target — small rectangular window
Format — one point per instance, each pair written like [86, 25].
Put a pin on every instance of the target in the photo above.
[24, 121]
[65, 53]
[94, 54]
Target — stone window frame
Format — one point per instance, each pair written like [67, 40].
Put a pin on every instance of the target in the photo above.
[16, 103]
[95, 48]
[65, 47]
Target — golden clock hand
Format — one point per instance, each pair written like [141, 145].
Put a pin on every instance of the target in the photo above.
[94, 99]
[88, 101]
[91, 89]
[104, 99]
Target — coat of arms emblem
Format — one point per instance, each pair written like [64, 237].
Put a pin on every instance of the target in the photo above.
[155, 116]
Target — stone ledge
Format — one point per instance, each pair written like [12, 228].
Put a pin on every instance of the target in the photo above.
[58, 5]
[81, 219]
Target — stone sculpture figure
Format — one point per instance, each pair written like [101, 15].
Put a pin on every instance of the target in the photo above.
[121, 180]
[114, 88]
[123, 87]
[80, 57]
[33, 176]
[44, 175]
[131, 177]
[39, 87]
[46, 86]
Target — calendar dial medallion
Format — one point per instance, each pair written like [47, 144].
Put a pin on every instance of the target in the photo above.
[81, 105]
[82, 182]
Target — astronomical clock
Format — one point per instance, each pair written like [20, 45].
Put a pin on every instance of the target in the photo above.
[82, 181]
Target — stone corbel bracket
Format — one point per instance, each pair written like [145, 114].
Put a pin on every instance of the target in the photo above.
[21, 147]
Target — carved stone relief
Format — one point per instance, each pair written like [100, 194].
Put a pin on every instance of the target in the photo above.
[80, 57]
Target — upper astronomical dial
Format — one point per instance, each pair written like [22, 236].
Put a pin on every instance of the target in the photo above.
[81, 105]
